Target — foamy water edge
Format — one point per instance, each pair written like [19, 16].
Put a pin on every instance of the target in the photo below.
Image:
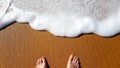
[63, 25]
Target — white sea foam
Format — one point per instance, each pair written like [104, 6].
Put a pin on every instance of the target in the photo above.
[4, 5]
[63, 23]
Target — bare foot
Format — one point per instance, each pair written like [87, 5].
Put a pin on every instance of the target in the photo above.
[73, 62]
[41, 63]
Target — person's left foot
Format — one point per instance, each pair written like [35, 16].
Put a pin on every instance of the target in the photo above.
[41, 63]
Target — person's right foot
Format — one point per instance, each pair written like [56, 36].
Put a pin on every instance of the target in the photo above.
[73, 62]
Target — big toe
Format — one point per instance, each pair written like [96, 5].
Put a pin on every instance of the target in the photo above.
[70, 58]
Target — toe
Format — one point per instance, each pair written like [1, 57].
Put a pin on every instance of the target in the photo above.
[74, 59]
[44, 59]
[70, 58]
[78, 64]
[39, 61]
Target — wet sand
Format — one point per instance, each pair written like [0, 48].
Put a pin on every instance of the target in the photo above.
[20, 47]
